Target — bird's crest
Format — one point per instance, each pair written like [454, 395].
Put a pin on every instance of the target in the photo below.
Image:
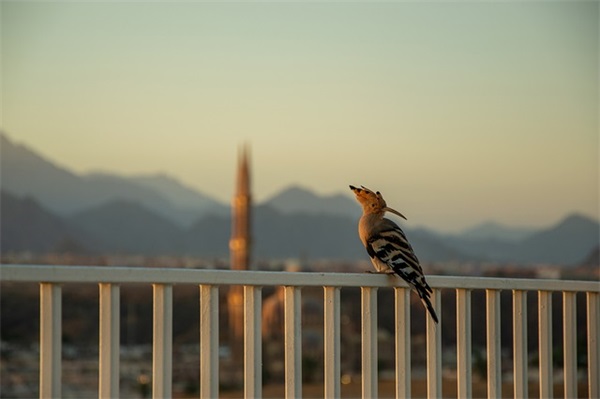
[365, 195]
[372, 201]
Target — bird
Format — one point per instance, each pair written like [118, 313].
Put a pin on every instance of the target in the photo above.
[387, 245]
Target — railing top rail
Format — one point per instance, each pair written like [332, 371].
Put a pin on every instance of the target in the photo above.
[119, 275]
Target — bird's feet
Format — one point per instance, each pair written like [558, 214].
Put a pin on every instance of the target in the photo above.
[388, 272]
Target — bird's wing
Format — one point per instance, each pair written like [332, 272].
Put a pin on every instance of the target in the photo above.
[389, 244]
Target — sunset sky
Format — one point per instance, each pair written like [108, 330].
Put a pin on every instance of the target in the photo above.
[458, 112]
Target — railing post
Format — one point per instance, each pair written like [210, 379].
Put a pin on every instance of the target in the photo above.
[593, 347]
[108, 370]
[162, 346]
[520, 343]
[252, 342]
[331, 299]
[493, 336]
[50, 340]
[545, 343]
[209, 341]
[402, 327]
[570, 344]
[293, 342]
[463, 343]
[434, 349]
[369, 342]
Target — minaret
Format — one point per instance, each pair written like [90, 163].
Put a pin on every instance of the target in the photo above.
[240, 242]
[239, 247]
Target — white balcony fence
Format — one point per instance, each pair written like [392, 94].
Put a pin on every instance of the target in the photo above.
[50, 279]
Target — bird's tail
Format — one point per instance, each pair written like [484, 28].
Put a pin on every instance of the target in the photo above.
[424, 295]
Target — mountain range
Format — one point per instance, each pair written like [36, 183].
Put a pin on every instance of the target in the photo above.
[46, 207]
[25, 172]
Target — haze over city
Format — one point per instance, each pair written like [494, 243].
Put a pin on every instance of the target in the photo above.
[457, 112]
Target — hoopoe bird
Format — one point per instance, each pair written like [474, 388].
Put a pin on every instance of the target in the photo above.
[388, 246]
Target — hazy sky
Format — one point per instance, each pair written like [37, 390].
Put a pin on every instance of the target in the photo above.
[458, 112]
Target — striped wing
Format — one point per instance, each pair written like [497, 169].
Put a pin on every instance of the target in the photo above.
[391, 247]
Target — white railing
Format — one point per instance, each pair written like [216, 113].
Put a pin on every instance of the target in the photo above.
[209, 281]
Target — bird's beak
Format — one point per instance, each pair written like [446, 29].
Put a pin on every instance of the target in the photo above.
[395, 212]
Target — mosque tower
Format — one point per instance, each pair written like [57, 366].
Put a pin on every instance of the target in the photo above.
[239, 247]
[240, 242]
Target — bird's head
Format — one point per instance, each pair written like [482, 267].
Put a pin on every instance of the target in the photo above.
[372, 202]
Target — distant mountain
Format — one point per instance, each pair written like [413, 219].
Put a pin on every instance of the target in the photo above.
[24, 172]
[304, 235]
[495, 231]
[108, 188]
[331, 236]
[494, 250]
[128, 227]
[27, 226]
[296, 199]
[209, 237]
[592, 259]
[565, 243]
[432, 247]
[154, 194]
[182, 196]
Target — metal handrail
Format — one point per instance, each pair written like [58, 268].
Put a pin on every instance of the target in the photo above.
[116, 275]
